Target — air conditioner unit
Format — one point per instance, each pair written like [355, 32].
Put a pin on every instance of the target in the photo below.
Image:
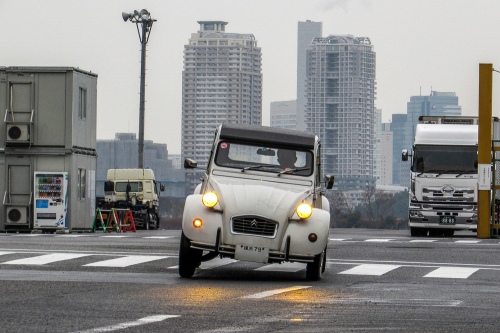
[17, 133]
[17, 215]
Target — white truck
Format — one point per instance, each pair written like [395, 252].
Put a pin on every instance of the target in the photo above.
[443, 191]
[137, 190]
[260, 200]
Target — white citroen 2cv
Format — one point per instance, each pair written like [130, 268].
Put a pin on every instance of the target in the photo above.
[260, 200]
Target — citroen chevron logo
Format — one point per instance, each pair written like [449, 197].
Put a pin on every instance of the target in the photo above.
[254, 223]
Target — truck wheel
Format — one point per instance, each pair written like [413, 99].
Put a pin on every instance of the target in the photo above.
[189, 258]
[418, 232]
[317, 267]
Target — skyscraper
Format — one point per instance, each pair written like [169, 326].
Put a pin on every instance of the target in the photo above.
[221, 82]
[307, 31]
[435, 104]
[341, 107]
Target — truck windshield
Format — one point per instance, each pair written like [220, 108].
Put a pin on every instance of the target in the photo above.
[264, 158]
[134, 186]
[445, 159]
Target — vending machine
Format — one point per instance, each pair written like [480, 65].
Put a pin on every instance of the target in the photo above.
[51, 200]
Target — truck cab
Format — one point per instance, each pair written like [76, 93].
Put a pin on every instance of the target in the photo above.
[260, 200]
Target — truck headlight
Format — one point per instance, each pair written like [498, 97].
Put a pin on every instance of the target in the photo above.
[304, 210]
[210, 199]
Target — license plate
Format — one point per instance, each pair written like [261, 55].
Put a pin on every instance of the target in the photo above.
[447, 220]
[251, 253]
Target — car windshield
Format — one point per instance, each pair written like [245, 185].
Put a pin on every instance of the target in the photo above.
[445, 159]
[264, 158]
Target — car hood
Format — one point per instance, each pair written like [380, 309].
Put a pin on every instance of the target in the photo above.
[265, 200]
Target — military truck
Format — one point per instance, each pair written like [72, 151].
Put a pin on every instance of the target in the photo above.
[137, 190]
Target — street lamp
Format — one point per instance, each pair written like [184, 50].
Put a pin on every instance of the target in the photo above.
[144, 19]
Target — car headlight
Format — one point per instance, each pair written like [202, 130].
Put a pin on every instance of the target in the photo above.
[304, 210]
[210, 199]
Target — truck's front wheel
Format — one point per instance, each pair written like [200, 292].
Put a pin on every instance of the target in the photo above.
[189, 258]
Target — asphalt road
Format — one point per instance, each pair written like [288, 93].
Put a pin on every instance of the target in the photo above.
[376, 280]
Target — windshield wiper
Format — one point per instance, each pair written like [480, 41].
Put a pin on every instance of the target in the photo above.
[465, 172]
[439, 172]
[292, 170]
[253, 167]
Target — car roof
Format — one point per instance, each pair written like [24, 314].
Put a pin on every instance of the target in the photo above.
[265, 134]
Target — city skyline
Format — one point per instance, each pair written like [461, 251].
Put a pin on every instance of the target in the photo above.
[421, 46]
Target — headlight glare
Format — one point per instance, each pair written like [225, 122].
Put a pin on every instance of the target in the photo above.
[304, 210]
[210, 199]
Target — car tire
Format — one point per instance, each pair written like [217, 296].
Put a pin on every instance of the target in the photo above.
[315, 269]
[189, 259]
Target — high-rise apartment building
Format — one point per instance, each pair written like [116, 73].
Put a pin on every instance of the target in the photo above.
[221, 82]
[307, 31]
[341, 107]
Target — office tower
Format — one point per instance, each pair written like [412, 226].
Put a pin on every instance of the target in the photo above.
[435, 104]
[284, 114]
[386, 154]
[398, 129]
[341, 107]
[307, 31]
[377, 131]
[221, 82]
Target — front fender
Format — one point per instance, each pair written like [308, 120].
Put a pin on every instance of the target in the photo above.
[318, 223]
[212, 220]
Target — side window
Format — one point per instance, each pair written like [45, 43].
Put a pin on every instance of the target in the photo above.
[82, 103]
[82, 179]
[318, 166]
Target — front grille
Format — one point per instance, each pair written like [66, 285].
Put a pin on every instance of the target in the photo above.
[254, 225]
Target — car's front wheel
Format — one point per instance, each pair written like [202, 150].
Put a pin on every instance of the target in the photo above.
[315, 269]
[189, 258]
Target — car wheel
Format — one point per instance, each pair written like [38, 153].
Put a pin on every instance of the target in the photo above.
[189, 258]
[315, 269]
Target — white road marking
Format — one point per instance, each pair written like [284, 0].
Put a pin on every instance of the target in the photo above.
[158, 237]
[452, 272]
[46, 259]
[217, 263]
[379, 240]
[72, 236]
[423, 241]
[370, 269]
[274, 292]
[125, 261]
[467, 241]
[139, 322]
[3, 253]
[284, 267]
[115, 236]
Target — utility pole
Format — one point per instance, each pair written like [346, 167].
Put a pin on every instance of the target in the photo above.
[484, 151]
[144, 19]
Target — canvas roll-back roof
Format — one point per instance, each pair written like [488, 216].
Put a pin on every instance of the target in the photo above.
[265, 134]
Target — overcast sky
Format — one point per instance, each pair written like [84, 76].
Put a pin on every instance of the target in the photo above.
[420, 45]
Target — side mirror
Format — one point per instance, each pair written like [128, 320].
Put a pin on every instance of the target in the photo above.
[162, 187]
[190, 164]
[329, 180]
[404, 155]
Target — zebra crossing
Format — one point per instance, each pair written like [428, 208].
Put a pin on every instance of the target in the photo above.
[169, 262]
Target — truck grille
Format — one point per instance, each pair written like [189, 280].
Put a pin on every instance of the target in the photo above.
[254, 225]
[465, 195]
